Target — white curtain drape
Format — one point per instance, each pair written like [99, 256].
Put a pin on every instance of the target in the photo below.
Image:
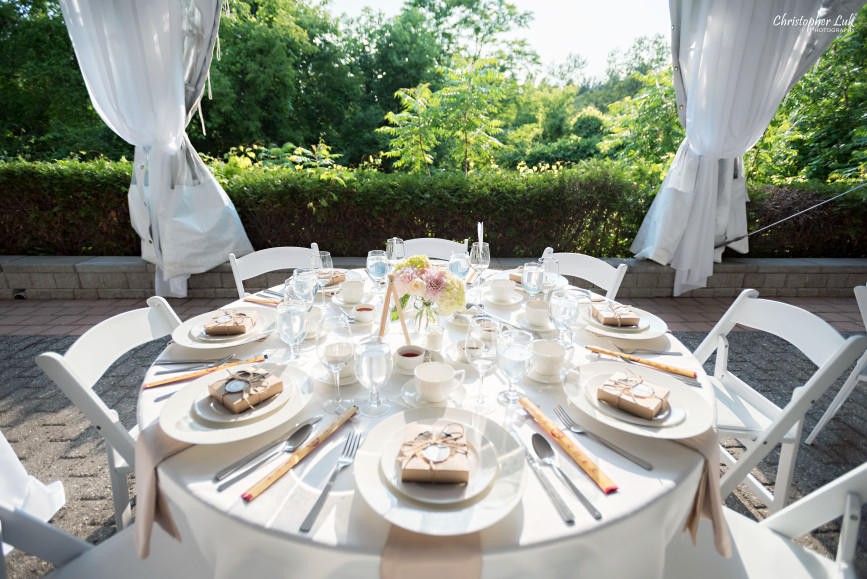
[734, 62]
[145, 66]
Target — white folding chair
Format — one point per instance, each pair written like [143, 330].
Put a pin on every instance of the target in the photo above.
[114, 557]
[433, 247]
[266, 260]
[76, 372]
[752, 419]
[767, 549]
[859, 374]
[590, 269]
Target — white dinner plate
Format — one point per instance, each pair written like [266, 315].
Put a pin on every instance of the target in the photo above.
[481, 455]
[441, 520]
[211, 411]
[655, 327]
[183, 334]
[411, 397]
[513, 300]
[177, 420]
[697, 413]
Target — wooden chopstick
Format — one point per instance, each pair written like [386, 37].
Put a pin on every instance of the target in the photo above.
[646, 362]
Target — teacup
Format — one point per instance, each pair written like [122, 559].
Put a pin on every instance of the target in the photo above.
[352, 291]
[537, 313]
[548, 357]
[363, 313]
[502, 290]
[462, 346]
[434, 380]
[408, 357]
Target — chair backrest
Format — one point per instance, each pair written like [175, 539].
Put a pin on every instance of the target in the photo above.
[266, 260]
[861, 298]
[843, 496]
[36, 537]
[433, 247]
[90, 356]
[590, 269]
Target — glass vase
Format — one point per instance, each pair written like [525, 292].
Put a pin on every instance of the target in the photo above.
[426, 316]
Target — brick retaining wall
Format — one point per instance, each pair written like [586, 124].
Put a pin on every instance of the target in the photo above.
[71, 277]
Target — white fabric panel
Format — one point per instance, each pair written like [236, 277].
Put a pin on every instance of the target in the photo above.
[733, 68]
[145, 65]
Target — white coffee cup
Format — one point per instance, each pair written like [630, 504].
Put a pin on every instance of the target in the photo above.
[363, 313]
[502, 289]
[548, 357]
[537, 313]
[352, 290]
[434, 380]
[408, 357]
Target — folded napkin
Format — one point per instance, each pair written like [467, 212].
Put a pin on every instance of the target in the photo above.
[408, 554]
[707, 503]
[152, 447]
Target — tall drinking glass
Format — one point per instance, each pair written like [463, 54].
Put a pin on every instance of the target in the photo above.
[565, 308]
[532, 278]
[292, 317]
[373, 366]
[324, 272]
[335, 350]
[459, 264]
[303, 285]
[480, 259]
[480, 348]
[551, 265]
[377, 268]
[394, 252]
[515, 353]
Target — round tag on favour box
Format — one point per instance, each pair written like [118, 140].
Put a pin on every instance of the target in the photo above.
[236, 385]
[436, 452]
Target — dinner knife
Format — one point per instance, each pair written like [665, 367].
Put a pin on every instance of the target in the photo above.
[242, 462]
[546, 484]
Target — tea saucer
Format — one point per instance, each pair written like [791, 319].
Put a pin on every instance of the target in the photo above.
[413, 399]
[338, 301]
[455, 357]
[513, 300]
[525, 323]
[544, 378]
[435, 357]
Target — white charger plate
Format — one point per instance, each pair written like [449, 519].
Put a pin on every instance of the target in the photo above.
[177, 420]
[212, 412]
[697, 418]
[655, 327]
[481, 456]
[183, 334]
[441, 520]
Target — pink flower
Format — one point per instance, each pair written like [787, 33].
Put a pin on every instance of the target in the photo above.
[403, 277]
[435, 283]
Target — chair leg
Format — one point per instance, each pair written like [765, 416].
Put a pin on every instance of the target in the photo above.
[2, 556]
[786, 469]
[841, 397]
[119, 492]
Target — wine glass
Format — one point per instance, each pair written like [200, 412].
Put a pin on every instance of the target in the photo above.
[377, 268]
[324, 272]
[394, 252]
[292, 317]
[303, 285]
[532, 278]
[480, 259]
[459, 264]
[566, 306]
[551, 265]
[373, 366]
[480, 348]
[335, 350]
[515, 350]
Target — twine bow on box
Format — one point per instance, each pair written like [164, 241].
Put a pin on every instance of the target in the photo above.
[626, 387]
[247, 383]
[435, 448]
[618, 311]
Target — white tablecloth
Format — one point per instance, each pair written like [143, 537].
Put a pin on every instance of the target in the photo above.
[261, 538]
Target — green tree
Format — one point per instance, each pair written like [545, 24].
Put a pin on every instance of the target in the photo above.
[413, 131]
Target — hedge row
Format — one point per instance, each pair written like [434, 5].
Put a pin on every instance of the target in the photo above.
[69, 208]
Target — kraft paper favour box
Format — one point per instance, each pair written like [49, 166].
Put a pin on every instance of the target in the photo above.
[231, 322]
[243, 390]
[632, 394]
[614, 314]
[434, 454]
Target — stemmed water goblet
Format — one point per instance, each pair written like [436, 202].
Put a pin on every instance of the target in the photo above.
[324, 271]
[459, 264]
[480, 259]
[373, 367]
[515, 351]
[292, 326]
[532, 279]
[566, 307]
[377, 268]
[335, 349]
[480, 348]
[551, 266]
[303, 285]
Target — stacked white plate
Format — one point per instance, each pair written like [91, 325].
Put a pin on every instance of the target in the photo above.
[191, 334]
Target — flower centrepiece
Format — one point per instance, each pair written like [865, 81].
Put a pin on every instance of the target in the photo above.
[436, 291]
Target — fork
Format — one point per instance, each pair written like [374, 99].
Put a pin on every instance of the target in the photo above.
[573, 426]
[204, 366]
[346, 458]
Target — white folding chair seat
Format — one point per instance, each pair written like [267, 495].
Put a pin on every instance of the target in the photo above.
[76, 372]
[592, 269]
[859, 374]
[266, 260]
[748, 416]
[433, 247]
[114, 557]
[766, 548]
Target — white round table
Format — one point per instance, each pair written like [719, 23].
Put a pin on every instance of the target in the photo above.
[261, 538]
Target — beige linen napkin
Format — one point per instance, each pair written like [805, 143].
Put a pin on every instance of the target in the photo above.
[152, 447]
[707, 502]
[408, 554]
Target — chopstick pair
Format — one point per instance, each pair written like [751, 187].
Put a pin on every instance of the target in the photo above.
[651, 363]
